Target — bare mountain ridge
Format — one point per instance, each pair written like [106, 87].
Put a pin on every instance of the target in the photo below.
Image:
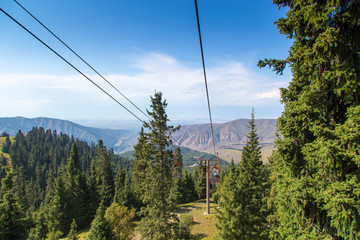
[230, 137]
[229, 133]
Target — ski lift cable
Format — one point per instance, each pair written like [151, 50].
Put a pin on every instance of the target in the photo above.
[58, 38]
[72, 66]
[81, 58]
[146, 124]
[204, 71]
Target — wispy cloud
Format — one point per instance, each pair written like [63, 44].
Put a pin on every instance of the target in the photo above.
[230, 84]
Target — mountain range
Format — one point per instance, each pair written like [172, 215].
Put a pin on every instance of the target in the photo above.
[229, 137]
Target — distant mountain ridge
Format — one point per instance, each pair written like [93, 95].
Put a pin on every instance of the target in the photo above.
[230, 137]
[228, 133]
[119, 140]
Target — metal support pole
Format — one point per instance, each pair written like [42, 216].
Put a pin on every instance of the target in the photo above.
[207, 187]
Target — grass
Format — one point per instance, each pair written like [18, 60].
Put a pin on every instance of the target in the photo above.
[204, 227]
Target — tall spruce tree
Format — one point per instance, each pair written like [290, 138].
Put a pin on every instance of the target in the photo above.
[156, 181]
[141, 162]
[103, 176]
[100, 226]
[77, 191]
[315, 193]
[12, 223]
[243, 194]
[6, 145]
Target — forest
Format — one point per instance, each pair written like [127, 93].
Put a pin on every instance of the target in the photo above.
[53, 185]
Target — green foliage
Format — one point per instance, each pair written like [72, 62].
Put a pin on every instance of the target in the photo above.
[73, 235]
[103, 175]
[315, 170]
[39, 230]
[100, 226]
[124, 194]
[13, 225]
[121, 221]
[200, 182]
[155, 180]
[186, 222]
[6, 145]
[242, 213]
[55, 235]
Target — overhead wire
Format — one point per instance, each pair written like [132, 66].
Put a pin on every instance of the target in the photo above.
[204, 71]
[66, 61]
[81, 58]
[58, 38]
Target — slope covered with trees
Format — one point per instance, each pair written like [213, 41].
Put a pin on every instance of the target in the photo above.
[53, 185]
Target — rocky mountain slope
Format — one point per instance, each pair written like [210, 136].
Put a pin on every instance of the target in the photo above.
[230, 137]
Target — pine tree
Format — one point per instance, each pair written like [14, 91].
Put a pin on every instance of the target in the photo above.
[103, 175]
[177, 192]
[11, 217]
[124, 195]
[73, 235]
[6, 145]
[141, 162]
[100, 226]
[77, 192]
[200, 182]
[157, 179]
[55, 207]
[190, 194]
[315, 169]
[243, 193]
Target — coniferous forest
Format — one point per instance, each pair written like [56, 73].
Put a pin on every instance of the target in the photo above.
[53, 185]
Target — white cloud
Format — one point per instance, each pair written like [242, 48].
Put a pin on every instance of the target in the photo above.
[230, 84]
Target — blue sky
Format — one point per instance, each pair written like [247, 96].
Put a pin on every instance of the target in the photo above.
[142, 46]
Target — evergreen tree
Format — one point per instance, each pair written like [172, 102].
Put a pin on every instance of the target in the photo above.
[103, 175]
[200, 182]
[243, 193]
[190, 194]
[157, 179]
[100, 226]
[6, 145]
[55, 207]
[73, 235]
[177, 192]
[12, 223]
[3, 166]
[77, 193]
[39, 230]
[315, 169]
[124, 195]
[141, 162]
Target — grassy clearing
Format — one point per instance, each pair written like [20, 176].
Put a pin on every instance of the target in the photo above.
[204, 227]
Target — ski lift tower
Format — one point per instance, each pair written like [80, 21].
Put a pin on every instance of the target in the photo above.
[212, 175]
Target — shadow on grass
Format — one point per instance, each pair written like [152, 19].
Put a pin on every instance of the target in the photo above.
[198, 236]
[186, 209]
